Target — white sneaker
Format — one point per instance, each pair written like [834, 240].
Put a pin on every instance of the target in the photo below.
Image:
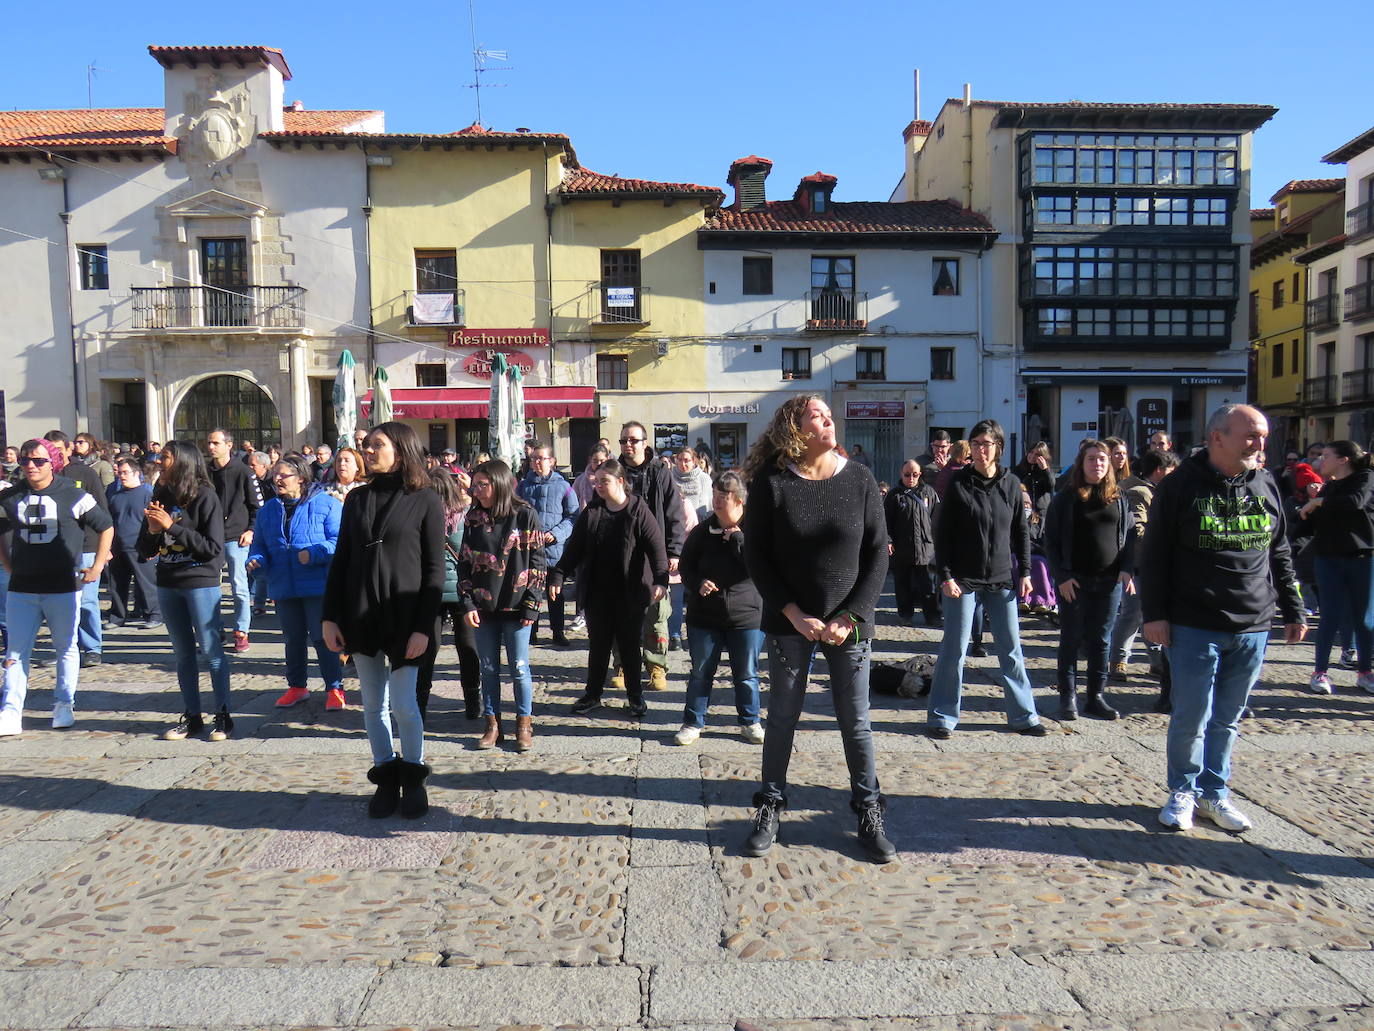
[1178, 811]
[1224, 815]
[1319, 684]
[752, 732]
[62, 717]
[11, 723]
[1365, 682]
[687, 735]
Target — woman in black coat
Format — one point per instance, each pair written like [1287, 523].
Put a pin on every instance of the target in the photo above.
[381, 605]
[618, 552]
[910, 511]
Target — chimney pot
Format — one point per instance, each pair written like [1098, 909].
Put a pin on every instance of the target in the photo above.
[747, 176]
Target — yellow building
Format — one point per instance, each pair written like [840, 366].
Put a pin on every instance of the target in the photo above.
[1304, 211]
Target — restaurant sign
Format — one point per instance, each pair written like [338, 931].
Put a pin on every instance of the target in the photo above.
[479, 362]
[499, 339]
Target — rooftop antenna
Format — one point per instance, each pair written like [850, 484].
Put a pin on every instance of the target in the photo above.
[480, 56]
[91, 69]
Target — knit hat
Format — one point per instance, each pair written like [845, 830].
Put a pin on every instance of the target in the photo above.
[1304, 476]
[54, 453]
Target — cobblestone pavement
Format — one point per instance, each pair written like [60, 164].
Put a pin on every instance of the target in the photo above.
[597, 880]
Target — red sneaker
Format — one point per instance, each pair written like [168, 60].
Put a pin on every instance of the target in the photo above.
[334, 699]
[241, 642]
[293, 696]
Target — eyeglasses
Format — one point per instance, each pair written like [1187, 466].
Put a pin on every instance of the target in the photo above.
[632, 440]
[34, 460]
[983, 444]
[910, 476]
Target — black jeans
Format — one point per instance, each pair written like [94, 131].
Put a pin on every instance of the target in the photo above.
[469, 668]
[125, 566]
[914, 587]
[614, 620]
[1087, 620]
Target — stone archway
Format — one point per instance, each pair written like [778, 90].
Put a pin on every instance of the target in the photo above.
[227, 402]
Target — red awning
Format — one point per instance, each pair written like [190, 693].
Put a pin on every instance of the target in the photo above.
[473, 402]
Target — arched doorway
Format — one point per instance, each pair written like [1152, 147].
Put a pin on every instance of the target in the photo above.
[227, 402]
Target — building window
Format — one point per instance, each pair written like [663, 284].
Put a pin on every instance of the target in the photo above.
[1133, 271]
[1276, 360]
[1276, 298]
[1098, 210]
[1297, 289]
[1132, 322]
[431, 374]
[95, 266]
[942, 363]
[436, 271]
[758, 276]
[621, 294]
[612, 372]
[871, 363]
[1131, 159]
[1294, 351]
[796, 363]
[945, 276]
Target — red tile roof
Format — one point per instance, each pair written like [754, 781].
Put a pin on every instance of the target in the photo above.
[1308, 186]
[217, 55]
[919, 127]
[586, 183]
[1261, 212]
[785, 216]
[753, 160]
[820, 177]
[135, 127]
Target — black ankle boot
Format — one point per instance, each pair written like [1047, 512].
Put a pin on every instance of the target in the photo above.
[414, 799]
[766, 820]
[1097, 706]
[387, 777]
[1068, 703]
[871, 836]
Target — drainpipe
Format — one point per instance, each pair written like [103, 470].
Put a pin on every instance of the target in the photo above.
[77, 373]
[968, 145]
[371, 364]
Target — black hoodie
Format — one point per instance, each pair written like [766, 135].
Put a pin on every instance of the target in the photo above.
[1216, 554]
[982, 524]
[1343, 524]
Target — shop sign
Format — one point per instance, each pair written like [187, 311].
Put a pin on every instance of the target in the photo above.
[499, 339]
[1202, 381]
[620, 297]
[875, 409]
[669, 436]
[1151, 416]
[479, 362]
[746, 409]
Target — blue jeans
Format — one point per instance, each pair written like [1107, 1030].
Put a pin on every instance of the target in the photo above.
[947, 686]
[89, 636]
[300, 626]
[192, 618]
[1087, 618]
[1347, 593]
[259, 587]
[4, 591]
[705, 644]
[789, 665]
[1212, 673]
[494, 632]
[679, 608]
[26, 613]
[386, 691]
[236, 561]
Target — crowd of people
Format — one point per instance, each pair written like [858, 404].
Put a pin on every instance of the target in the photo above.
[373, 553]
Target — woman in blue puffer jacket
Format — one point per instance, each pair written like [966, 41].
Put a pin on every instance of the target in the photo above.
[293, 544]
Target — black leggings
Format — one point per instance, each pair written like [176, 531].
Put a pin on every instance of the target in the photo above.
[613, 620]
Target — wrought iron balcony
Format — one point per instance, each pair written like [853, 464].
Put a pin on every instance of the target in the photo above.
[1359, 301]
[212, 307]
[1360, 221]
[1319, 390]
[621, 306]
[1322, 312]
[836, 311]
[1358, 385]
[435, 308]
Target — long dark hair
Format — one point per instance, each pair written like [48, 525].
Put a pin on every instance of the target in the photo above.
[188, 474]
[1359, 458]
[451, 496]
[504, 500]
[1105, 489]
[410, 455]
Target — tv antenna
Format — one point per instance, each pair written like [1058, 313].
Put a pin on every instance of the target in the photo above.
[91, 69]
[480, 56]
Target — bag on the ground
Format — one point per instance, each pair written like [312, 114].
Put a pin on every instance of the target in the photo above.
[909, 679]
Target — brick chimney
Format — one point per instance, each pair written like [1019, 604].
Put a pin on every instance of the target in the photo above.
[747, 176]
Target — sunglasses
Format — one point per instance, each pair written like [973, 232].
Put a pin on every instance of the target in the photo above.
[34, 460]
[633, 440]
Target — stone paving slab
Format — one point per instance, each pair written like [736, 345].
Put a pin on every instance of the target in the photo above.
[673, 915]
[507, 995]
[1216, 980]
[1355, 967]
[23, 861]
[35, 999]
[229, 997]
[680, 992]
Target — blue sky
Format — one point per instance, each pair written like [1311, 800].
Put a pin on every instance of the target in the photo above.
[677, 91]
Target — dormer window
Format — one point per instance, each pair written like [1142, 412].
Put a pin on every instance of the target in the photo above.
[820, 199]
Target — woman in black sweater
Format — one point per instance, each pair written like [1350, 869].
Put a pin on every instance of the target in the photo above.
[1090, 546]
[381, 605]
[618, 554]
[982, 524]
[184, 530]
[816, 546]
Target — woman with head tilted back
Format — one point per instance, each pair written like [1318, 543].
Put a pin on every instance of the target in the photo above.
[815, 544]
[382, 604]
[1090, 545]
